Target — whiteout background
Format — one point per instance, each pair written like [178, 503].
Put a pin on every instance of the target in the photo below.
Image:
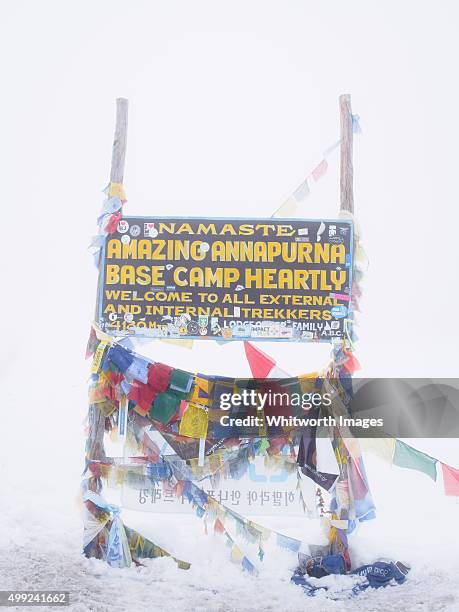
[231, 104]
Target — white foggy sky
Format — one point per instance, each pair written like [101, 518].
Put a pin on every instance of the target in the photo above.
[231, 105]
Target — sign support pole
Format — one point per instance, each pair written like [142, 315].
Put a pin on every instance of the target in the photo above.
[117, 176]
[119, 141]
[346, 167]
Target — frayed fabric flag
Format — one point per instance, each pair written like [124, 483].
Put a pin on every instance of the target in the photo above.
[408, 457]
[248, 565]
[450, 480]
[288, 543]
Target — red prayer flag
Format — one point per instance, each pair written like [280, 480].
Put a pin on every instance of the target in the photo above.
[320, 170]
[351, 364]
[158, 376]
[260, 363]
[141, 394]
[356, 479]
[112, 224]
[450, 480]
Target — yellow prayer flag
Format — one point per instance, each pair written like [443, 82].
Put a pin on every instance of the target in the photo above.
[194, 422]
[287, 209]
[97, 395]
[188, 344]
[308, 381]
[97, 359]
[102, 336]
[236, 554]
[382, 447]
[117, 190]
[264, 532]
[340, 523]
[202, 383]
[353, 446]
[106, 407]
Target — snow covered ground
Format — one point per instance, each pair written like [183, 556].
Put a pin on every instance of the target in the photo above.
[40, 549]
[41, 529]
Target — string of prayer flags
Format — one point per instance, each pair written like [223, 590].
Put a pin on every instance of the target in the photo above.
[142, 548]
[289, 207]
[450, 480]
[408, 457]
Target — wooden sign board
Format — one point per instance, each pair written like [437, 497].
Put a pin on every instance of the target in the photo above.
[227, 279]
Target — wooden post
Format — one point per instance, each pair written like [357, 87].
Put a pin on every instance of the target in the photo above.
[119, 141]
[346, 169]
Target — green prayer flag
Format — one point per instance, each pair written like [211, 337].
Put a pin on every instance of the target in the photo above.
[165, 406]
[180, 380]
[264, 445]
[408, 457]
[245, 383]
